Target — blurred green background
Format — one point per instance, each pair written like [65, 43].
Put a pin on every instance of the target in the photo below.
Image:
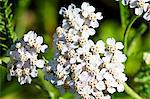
[42, 17]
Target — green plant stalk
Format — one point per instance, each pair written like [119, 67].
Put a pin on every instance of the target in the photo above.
[52, 91]
[125, 39]
[131, 92]
[122, 14]
[127, 28]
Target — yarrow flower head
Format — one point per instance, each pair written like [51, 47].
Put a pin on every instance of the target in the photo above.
[24, 57]
[94, 70]
[141, 6]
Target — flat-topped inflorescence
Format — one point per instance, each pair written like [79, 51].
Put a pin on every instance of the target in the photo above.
[24, 57]
[93, 70]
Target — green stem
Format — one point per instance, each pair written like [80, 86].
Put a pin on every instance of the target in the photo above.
[125, 39]
[52, 91]
[122, 15]
[131, 92]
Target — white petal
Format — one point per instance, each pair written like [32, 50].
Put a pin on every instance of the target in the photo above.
[138, 11]
[100, 86]
[85, 14]
[39, 40]
[72, 60]
[146, 16]
[40, 63]
[85, 34]
[62, 11]
[99, 15]
[123, 58]
[84, 76]
[107, 97]
[84, 5]
[71, 7]
[90, 9]
[101, 45]
[99, 77]
[119, 45]
[28, 79]
[80, 50]
[120, 88]
[32, 35]
[146, 7]
[94, 24]
[43, 48]
[34, 73]
[133, 3]
[26, 38]
[91, 31]
[60, 82]
[111, 90]
[111, 41]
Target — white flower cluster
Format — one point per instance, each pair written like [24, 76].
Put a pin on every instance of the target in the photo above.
[141, 6]
[94, 70]
[24, 57]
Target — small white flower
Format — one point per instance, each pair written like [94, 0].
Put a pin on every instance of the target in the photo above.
[94, 17]
[100, 86]
[86, 31]
[87, 9]
[113, 45]
[84, 77]
[98, 48]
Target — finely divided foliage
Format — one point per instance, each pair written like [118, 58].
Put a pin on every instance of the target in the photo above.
[6, 27]
[24, 58]
[94, 70]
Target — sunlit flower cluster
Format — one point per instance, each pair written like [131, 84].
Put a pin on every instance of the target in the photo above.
[141, 6]
[94, 70]
[24, 57]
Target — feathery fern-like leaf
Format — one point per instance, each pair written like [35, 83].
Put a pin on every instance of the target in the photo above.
[6, 27]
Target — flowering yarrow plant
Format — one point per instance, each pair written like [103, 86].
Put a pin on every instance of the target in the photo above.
[141, 6]
[24, 58]
[94, 70]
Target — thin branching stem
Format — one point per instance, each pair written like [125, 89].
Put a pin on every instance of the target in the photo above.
[131, 92]
[125, 39]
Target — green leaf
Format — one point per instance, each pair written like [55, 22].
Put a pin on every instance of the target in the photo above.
[133, 64]
[5, 59]
[6, 27]
[135, 46]
[108, 28]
